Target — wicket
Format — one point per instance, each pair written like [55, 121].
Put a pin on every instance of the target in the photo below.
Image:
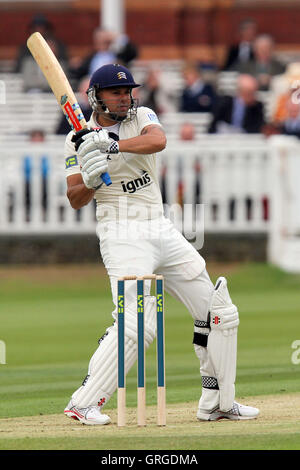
[160, 351]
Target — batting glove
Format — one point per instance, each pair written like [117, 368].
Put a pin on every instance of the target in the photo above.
[94, 163]
[96, 140]
[77, 138]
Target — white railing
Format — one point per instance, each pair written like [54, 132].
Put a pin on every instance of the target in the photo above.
[33, 192]
[229, 179]
[227, 174]
[245, 184]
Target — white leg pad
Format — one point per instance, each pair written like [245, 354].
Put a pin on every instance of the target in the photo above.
[222, 342]
[209, 399]
[101, 381]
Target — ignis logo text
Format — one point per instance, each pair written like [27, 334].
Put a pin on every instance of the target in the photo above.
[136, 184]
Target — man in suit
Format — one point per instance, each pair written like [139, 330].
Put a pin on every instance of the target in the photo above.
[197, 95]
[242, 113]
[108, 48]
[242, 51]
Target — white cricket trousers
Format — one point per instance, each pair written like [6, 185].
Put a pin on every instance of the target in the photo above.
[140, 248]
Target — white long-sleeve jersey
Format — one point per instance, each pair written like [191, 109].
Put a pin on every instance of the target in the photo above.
[134, 192]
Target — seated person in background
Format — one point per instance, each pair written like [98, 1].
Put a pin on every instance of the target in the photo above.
[291, 124]
[125, 50]
[242, 51]
[187, 131]
[101, 54]
[150, 93]
[197, 96]
[41, 24]
[63, 126]
[37, 135]
[242, 113]
[33, 78]
[207, 63]
[289, 89]
[281, 111]
[264, 66]
[108, 48]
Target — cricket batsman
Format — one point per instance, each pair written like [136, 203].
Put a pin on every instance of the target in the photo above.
[137, 239]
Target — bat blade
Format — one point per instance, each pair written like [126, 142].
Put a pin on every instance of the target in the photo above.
[59, 84]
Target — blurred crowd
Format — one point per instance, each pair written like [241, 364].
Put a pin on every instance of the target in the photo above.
[107, 47]
[252, 57]
[251, 60]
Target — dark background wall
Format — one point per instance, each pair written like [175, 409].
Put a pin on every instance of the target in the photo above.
[162, 28]
[85, 248]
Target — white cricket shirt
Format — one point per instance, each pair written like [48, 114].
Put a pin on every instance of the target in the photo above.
[134, 192]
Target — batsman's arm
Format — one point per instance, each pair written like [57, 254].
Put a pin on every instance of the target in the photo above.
[151, 140]
[78, 194]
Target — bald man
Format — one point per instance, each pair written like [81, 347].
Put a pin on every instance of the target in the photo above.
[242, 113]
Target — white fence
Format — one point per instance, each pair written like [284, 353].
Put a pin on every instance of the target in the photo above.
[247, 184]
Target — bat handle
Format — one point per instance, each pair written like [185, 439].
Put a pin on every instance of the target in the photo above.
[106, 179]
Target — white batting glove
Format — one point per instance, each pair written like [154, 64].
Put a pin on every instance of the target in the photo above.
[97, 140]
[94, 163]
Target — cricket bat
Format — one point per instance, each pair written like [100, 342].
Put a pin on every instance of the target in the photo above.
[59, 84]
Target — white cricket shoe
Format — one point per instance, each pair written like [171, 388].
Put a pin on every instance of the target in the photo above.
[90, 415]
[237, 412]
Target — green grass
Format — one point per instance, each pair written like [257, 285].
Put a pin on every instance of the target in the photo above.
[187, 442]
[51, 328]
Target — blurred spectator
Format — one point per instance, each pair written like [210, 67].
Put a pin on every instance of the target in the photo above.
[41, 24]
[289, 84]
[37, 135]
[108, 47]
[63, 126]
[242, 51]
[242, 113]
[264, 66]
[291, 124]
[125, 50]
[281, 110]
[187, 131]
[33, 78]
[103, 53]
[208, 66]
[197, 95]
[151, 93]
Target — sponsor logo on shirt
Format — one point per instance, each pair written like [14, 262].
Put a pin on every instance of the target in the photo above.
[153, 117]
[71, 161]
[137, 184]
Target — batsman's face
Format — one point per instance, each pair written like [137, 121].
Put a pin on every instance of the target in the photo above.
[118, 100]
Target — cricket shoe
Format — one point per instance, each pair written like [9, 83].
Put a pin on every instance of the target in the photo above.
[90, 415]
[237, 412]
